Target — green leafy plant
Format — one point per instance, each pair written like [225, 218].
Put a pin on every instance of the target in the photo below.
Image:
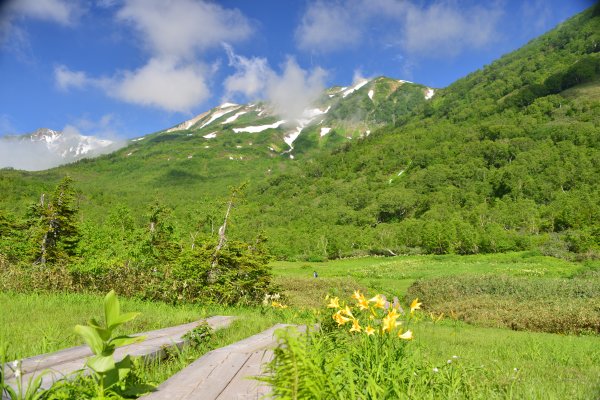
[30, 390]
[199, 335]
[111, 375]
[373, 359]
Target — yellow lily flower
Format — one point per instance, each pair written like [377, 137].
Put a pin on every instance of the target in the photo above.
[408, 335]
[415, 305]
[277, 304]
[348, 312]
[355, 326]
[363, 304]
[388, 323]
[379, 301]
[334, 302]
[339, 318]
[369, 330]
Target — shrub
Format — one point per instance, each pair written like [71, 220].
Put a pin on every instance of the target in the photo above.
[569, 306]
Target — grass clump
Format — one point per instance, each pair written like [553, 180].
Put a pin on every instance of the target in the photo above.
[566, 306]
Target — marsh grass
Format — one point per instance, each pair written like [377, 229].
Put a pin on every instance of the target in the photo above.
[566, 306]
[394, 275]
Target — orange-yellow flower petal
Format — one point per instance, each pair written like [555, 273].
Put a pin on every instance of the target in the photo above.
[355, 326]
[388, 323]
[415, 305]
[369, 330]
[408, 335]
[379, 301]
[357, 295]
[363, 304]
[334, 302]
[348, 312]
[339, 318]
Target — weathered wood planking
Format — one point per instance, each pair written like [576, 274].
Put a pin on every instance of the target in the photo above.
[224, 373]
[64, 362]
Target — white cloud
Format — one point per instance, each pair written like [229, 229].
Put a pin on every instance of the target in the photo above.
[329, 27]
[250, 76]
[163, 84]
[60, 11]
[435, 29]
[14, 37]
[183, 27]
[295, 89]
[175, 33]
[443, 30]
[290, 92]
[66, 79]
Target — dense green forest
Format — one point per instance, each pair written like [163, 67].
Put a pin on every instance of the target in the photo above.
[507, 158]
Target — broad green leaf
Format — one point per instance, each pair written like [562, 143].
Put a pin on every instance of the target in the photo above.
[91, 337]
[138, 389]
[102, 332]
[122, 318]
[120, 341]
[110, 378]
[124, 366]
[111, 309]
[101, 364]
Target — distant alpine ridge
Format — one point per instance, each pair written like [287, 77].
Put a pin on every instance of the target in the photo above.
[338, 115]
[46, 148]
[344, 113]
[69, 146]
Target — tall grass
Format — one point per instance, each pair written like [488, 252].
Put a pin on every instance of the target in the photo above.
[535, 304]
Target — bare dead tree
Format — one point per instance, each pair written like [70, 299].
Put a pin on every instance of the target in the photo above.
[212, 273]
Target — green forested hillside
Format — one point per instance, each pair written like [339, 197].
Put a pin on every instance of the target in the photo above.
[493, 163]
[506, 158]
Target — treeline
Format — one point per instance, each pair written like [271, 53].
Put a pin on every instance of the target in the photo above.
[51, 248]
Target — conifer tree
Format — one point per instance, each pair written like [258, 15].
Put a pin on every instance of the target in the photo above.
[53, 225]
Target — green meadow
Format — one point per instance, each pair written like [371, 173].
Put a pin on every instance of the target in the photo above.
[497, 362]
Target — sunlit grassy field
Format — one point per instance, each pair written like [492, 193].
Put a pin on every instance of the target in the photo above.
[516, 364]
[392, 276]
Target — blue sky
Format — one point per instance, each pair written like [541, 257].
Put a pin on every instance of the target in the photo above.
[126, 68]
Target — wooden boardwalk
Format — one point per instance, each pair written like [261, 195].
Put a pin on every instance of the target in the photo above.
[65, 362]
[223, 374]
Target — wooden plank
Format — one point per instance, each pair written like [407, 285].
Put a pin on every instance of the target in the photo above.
[223, 373]
[65, 362]
[243, 386]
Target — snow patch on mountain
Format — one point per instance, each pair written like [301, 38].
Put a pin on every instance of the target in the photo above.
[429, 94]
[47, 148]
[355, 87]
[371, 93]
[211, 135]
[228, 105]
[218, 114]
[324, 131]
[260, 128]
[233, 117]
[185, 125]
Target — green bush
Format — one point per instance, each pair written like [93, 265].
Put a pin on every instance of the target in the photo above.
[569, 306]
